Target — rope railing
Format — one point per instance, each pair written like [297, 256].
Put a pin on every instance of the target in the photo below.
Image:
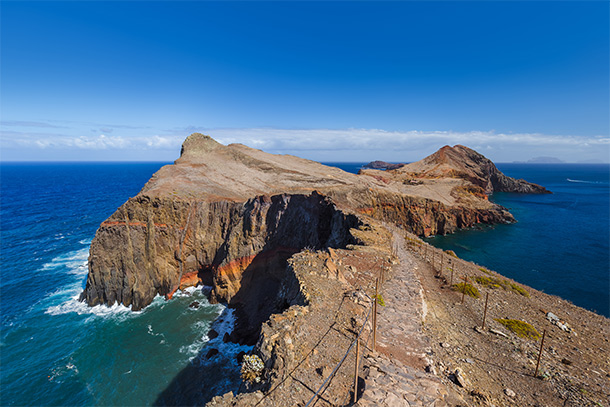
[266, 395]
[332, 374]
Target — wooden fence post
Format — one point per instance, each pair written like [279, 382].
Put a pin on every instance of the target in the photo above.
[375, 315]
[485, 312]
[356, 368]
[540, 353]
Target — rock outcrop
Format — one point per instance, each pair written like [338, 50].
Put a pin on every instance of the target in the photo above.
[230, 217]
[462, 162]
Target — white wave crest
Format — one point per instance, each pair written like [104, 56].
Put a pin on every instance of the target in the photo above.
[73, 305]
[580, 181]
[74, 262]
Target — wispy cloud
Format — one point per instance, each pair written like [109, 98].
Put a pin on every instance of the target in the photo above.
[21, 123]
[333, 144]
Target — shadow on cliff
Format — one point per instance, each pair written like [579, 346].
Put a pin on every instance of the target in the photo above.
[215, 369]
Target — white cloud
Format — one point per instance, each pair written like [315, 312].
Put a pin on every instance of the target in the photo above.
[332, 144]
[368, 144]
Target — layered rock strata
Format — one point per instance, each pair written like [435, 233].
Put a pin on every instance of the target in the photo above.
[230, 216]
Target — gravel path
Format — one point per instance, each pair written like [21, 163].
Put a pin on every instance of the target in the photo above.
[395, 375]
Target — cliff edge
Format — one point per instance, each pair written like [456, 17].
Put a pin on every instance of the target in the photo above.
[230, 216]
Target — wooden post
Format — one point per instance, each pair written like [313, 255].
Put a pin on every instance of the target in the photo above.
[485, 312]
[540, 353]
[375, 315]
[426, 252]
[356, 369]
[441, 271]
[464, 288]
[451, 278]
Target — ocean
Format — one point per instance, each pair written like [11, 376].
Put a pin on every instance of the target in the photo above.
[55, 350]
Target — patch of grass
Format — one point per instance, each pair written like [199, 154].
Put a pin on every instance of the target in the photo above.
[520, 328]
[484, 270]
[491, 282]
[470, 289]
[451, 253]
[518, 289]
[380, 300]
[494, 282]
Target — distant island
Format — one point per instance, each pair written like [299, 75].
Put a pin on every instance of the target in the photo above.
[382, 165]
[541, 160]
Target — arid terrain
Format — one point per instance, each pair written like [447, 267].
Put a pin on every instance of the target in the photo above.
[297, 248]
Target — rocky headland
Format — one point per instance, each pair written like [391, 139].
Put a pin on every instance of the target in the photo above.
[295, 247]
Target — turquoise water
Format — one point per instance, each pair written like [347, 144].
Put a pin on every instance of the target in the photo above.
[57, 351]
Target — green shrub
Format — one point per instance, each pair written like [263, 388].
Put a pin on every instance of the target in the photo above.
[494, 282]
[491, 282]
[519, 290]
[451, 253]
[469, 289]
[520, 328]
[380, 300]
[484, 270]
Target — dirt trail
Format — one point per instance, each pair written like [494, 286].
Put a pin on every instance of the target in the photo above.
[396, 374]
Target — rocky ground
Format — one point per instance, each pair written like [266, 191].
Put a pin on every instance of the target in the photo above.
[496, 365]
[431, 349]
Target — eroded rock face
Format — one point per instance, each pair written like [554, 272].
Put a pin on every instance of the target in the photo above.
[155, 246]
[230, 216]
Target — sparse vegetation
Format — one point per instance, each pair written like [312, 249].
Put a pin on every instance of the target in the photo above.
[252, 369]
[380, 300]
[451, 253]
[494, 282]
[520, 328]
[491, 282]
[484, 270]
[518, 289]
[467, 288]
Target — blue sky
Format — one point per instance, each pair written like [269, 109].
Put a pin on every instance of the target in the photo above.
[335, 81]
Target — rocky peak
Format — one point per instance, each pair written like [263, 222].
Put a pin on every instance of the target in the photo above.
[462, 162]
[197, 144]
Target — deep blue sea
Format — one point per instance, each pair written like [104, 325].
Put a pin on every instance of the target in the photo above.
[57, 351]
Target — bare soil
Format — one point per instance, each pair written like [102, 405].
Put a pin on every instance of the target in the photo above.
[574, 367]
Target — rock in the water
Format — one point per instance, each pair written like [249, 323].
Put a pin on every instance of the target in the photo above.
[212, 334]
[211, 353]
[240, 357]
[194, 304]
[226, 337]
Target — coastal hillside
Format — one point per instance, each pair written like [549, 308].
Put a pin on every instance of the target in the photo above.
[214, 212]
[292, 245]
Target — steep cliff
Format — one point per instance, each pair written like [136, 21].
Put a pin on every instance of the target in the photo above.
[230, 216]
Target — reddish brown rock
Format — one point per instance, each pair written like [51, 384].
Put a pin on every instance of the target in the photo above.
[230, 216]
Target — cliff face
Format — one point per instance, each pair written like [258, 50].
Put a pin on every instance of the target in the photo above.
[154, 246]
[463, 162]
[230, 217]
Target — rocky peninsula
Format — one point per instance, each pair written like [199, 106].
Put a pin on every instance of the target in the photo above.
[296, 247]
